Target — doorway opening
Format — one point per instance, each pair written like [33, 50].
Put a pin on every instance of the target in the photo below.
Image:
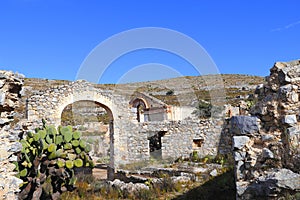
[95, 121]
[155, 145]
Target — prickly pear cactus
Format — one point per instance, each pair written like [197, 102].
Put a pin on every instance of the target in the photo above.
[47, 161]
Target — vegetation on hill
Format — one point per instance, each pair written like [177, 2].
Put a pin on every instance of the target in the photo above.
[186, 90]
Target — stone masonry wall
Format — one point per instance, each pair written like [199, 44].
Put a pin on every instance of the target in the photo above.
[49, 104]
[279, 109]
[177, 140]
[266, 145]
[10, 87]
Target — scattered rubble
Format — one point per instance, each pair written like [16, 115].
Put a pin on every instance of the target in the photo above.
[10, 87]
[266, 145]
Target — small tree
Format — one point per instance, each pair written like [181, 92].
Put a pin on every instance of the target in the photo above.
[170, 92]
[203, 109]
[47, 161]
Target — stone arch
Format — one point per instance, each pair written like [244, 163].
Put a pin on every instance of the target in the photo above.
[71, 98]
[139, 100]
[107, 109]
[141, 105]
[108, 106]
[50, 104]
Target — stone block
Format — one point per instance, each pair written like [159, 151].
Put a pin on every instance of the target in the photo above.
[292, 131]
[239, 156]
[240, 141]
[3, 75]
[240, 167]
[290, 119]
[244, 125]
[293, 134]
[267, 153]
[241, 187]
[283, 178]
[267, 137]
[15, 147]
[294, 97]
[214, 173]
[2, 98]
[4, 121]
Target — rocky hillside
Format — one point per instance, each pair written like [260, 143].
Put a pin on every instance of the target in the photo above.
[177, 91]
[183, 91]
[190, 89]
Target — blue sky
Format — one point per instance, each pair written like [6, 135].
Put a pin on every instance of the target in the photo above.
[51, 38]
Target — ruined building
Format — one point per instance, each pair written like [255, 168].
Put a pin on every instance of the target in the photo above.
[265, 144]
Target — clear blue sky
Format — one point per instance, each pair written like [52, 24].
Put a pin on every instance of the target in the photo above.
[51, 38]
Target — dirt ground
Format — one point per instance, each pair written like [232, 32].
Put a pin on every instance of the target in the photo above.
[100, 172]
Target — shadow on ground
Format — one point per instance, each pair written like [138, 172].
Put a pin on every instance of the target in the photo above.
[221, 187]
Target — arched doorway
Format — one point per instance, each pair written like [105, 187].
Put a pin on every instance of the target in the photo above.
[95, 121]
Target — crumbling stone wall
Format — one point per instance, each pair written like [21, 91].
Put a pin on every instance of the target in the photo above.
[280, 104]
[129, 138]
[177, 140]
[50, 103]
[266, 145]
[10, 87]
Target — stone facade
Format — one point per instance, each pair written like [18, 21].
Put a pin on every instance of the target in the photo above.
[10, 87]
[129, 138]
[266, 145]
[182, 133]
[50, 104]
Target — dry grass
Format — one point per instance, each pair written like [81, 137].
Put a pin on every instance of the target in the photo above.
[186, 88]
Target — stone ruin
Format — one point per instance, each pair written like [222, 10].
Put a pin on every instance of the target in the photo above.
[10, 88]
[133, 133]
[265, 143]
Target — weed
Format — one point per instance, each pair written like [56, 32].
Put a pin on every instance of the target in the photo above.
[144, 194]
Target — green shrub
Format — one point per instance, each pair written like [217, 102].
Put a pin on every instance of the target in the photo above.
[195, 156]
[203, 110]
[170, 92]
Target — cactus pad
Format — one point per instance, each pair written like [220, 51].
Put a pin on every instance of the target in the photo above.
[88, 148]
[78, 163]
[67, 136]
[76, 135]
[48, 139]
[60, 163]
[52, 155]
[82, 143]
[71, 156]
[36, 137]
[51, 130]
[75, 143]
[52, 147]
[42, 134]
[78, 150]
[23, 173]
[66, 129]
[58, 139]
[30, 134]
[67, 146]
[69, 164]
